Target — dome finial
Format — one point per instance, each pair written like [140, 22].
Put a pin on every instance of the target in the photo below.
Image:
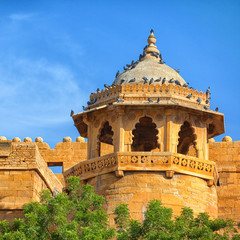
[151, 49]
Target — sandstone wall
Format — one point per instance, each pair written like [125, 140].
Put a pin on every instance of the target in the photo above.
[227, 157]
[138, 188]
[23, 174]
[65, 154]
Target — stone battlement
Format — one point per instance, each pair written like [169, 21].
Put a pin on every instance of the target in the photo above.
[65, 153]
[24, 170]
[141, 92]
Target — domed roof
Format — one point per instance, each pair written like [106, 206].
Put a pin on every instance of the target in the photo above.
[151, 67]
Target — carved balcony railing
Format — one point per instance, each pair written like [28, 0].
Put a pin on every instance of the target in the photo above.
[145, 161]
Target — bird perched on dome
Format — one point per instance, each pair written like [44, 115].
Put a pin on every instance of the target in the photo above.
[122, 81]
[132, 80]
[177, 83]
[119, 100]
[206, 108]
[85, 108]
[151, 81]
[106, 86]
[208, 90]
[117, 74]
[171, 80]
[145, 79]
[189, 96]
[158, 80]
[150, 100]
[158, 99]
[177, 70]
[145, 47]
[199, 100]
[164, 80]
[154, 54]
[92, 101]
[98, 89]
[72, 113]
[185, 84]
[216, 109]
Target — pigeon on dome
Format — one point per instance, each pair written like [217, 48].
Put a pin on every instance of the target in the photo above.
[148, 67]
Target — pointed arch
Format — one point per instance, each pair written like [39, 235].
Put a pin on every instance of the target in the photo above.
[187, 143]
[145, 137]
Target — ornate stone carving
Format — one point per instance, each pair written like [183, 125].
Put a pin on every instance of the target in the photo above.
[131, 116]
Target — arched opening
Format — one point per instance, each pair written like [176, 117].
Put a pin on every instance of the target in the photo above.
[105, 140]
[187, 140]
[145, 136]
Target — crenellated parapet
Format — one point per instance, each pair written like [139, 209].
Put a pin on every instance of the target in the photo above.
[134, 92]
[65, 154]
[23, 175]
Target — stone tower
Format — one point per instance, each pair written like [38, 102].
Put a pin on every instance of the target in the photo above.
[148, 139]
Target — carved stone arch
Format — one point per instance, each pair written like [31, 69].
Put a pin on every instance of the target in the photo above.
[187, 141]
[105, 138]
[136, 120]
[145, 135]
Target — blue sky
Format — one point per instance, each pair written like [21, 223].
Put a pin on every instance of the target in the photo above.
[53, 54]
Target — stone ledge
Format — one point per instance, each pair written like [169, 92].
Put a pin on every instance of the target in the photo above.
[145, 161]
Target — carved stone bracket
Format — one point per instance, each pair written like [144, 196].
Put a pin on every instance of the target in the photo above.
[119, 173]
[169, 174]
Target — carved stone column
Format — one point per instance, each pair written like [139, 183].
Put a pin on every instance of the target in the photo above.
[119, 131]
[169, 130]
[88, 121]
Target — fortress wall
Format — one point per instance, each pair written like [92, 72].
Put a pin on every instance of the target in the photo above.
[227, 157]
[138, 188]
[23, 174]
[66, 154]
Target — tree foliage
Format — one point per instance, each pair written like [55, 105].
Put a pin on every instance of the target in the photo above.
[76, 215]
[160, 224]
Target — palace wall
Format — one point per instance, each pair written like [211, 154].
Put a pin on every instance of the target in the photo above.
[23, 174]
[227, 157]
[65, 154]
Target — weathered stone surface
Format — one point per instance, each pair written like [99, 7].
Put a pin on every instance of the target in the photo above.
[137, 189]
[227, 155]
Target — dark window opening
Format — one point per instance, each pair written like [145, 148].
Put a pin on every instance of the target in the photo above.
[187, 140]
[105, 140]
[145, 136]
